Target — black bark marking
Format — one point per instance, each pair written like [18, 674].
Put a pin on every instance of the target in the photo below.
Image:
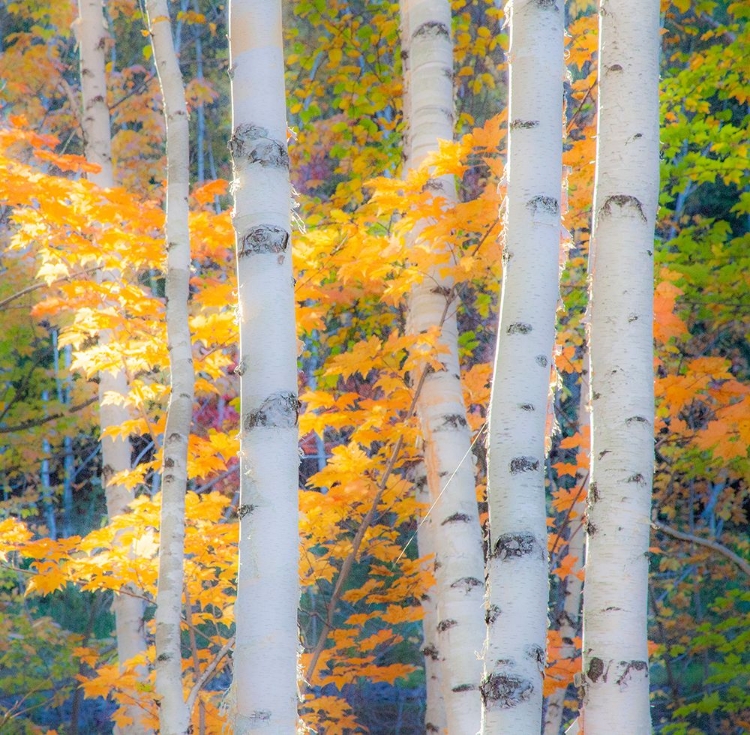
[612, 608]
[442, 290]
[603, 453]
[537, 653]
[542, 360]
[464, 688]
[253, 143]
[622, 201]
[456, 517]
[174, 437]
[637, 478]
[637, 420]
[467, 584]
[163, 657]
[595, 395]
[504, 691]
[632, 318]
[168, 462]
[519, 328]
[545, 204]
[524, 124]
[263, 239]
[432, 29]
[452, 421]
[523, 464]
[614, 67]
[431, 652]
[596, 669]
[590, 527]
[514, 545]
[279, 410]
[526, 407]
[259, 716]
[594, 492]
[107, 472]
[547, 4]
[444, 625]
[244, 510]
[622, 682]
[429, 727]
[492, 614]
[433, 184]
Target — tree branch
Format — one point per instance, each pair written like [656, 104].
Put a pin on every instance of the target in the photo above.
[208, 673]
[35, 286]
[708, 543]
[32, 423]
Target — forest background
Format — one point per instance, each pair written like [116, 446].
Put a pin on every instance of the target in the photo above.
[61, 562]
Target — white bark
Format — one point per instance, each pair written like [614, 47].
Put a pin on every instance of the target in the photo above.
[128, 610]
[570, 617]
[434, 719]
[265, 656]
[174, 716]
[615, 656]
[517, 578]
[456, 533]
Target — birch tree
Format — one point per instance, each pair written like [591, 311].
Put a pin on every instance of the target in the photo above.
[173, 712]
[517, 569]
[113, 386]
[265, 656]
[454, 526]
[615, 655]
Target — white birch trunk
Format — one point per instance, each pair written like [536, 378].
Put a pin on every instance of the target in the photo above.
[456, 533]
[570, 617]
[128, 609]
[434, 719]
[265, 656]
[518, 575]
[174, 718]
[615, 655]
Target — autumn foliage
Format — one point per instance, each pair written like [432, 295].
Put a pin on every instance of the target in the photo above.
[359, 368]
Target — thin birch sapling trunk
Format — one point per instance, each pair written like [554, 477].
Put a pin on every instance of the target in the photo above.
[514, 655]
[174, 717]
[615, 653]
[128, 608]
[569, 621]
[265, 653]
[456, 534]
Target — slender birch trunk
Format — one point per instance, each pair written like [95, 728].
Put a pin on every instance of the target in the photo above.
[615, 655]
[456, 533]
[570, 617]
[265, 656]
[434, 718]
[174, 717]
[517, 568]
[128, 609]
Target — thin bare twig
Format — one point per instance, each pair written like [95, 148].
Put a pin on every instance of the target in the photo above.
[208, 673]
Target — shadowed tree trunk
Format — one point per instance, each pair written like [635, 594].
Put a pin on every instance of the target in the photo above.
[174, 718]
[128, 609]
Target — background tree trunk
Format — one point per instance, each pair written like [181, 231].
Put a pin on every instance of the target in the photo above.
[615, 655]
[518, 574]
[173, 712]
[456, 533]
[265, 657]
[128, 609]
